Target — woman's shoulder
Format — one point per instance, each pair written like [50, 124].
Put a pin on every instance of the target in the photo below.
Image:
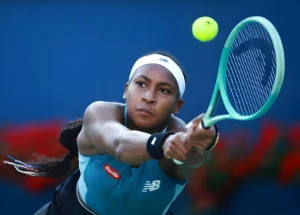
[176, 124]
[106, 104]
[98, 108]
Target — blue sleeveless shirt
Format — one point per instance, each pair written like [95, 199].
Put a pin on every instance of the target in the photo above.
[110, 187]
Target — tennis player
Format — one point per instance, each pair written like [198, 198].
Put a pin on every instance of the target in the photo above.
[126, 151]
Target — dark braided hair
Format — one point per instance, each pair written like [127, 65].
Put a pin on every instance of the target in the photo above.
[53, 167]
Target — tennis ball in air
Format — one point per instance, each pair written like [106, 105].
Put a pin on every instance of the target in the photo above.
[205, 29]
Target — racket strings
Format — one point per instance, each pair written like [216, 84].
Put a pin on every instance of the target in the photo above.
[251, 69]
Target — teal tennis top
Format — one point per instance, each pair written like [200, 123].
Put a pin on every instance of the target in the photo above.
[110, 187]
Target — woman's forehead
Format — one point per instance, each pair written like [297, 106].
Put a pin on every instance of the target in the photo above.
[156, 72]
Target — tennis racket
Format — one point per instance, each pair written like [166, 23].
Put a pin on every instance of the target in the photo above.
[251, 72]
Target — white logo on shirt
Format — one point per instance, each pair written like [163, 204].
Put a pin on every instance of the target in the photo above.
[151, 186]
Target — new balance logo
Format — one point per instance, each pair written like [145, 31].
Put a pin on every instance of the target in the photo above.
[151, 186]
[163, 59]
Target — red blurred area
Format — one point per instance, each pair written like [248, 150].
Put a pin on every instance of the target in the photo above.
[23, 142]
[275, 154]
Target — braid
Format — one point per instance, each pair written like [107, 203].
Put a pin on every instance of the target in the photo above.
[52, 167]
[68, 136]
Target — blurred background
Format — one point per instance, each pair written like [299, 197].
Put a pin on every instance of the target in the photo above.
[56, 57]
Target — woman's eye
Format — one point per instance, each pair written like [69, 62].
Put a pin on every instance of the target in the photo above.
[140, 83]
[163, 90]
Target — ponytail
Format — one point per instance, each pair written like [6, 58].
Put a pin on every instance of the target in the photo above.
[53, 167]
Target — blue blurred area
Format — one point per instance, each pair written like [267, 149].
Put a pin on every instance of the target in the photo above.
[16, 200]
[263, 197]
[56, 58]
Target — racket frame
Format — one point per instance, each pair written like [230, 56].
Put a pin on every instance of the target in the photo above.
[220, 86]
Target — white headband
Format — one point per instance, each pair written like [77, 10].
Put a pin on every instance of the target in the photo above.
[164, 61]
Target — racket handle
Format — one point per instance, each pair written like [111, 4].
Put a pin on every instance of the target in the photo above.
[201, 125]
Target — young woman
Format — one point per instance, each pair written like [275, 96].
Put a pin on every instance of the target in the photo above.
[126, 151]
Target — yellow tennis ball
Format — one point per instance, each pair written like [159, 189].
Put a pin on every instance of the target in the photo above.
[205, 29]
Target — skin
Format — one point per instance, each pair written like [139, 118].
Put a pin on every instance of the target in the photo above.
[152, 96]
[154, 88]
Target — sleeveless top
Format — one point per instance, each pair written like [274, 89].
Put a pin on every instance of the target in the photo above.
[110, 187]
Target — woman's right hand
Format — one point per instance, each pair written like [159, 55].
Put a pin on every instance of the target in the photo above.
[177, 147]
